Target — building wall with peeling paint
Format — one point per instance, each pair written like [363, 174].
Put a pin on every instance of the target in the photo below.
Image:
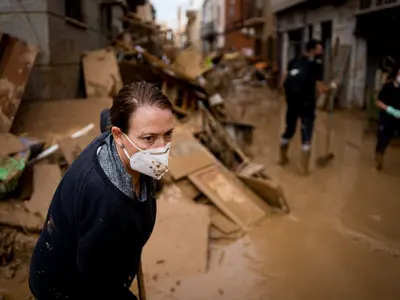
[343, 27]
[57, 73]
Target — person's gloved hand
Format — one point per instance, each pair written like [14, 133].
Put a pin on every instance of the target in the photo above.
[393, 112]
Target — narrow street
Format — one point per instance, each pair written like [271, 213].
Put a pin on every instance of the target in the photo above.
[341, 239]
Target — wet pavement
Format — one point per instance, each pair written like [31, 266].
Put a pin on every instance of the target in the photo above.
[341, 239]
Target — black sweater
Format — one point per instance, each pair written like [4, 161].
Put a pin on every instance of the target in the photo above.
[91, 243]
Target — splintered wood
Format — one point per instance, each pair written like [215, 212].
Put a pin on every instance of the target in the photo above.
[229, 195]
[16, 63]
[102, 77]
[46, 178]
[175, 248]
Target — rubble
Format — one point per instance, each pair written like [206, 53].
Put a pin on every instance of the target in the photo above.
[213, 190]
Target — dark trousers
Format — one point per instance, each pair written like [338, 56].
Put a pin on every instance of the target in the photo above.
[303, 110]
[387, 126]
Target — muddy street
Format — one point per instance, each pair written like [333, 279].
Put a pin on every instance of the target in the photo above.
[341, 239]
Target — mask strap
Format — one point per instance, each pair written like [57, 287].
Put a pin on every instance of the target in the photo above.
[133, 144]
[126, 152]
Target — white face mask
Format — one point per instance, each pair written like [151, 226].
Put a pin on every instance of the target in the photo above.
[398, 79]
[151, 162]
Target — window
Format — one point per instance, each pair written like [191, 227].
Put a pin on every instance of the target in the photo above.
[73, 10]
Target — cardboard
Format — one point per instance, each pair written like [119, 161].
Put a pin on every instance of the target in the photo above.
[10, 144]
[229, 194]
[102, 77]
[13, 214]
[179, 243]
[187, 155]
[71, 148]
[16, 62]
[46, 178]
[64, 117]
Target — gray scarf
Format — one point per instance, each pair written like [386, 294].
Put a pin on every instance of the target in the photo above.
[112, 166]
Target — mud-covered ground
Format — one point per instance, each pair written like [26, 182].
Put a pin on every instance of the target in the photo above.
[340, 241]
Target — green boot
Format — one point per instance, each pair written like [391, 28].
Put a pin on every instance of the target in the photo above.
[283, 154]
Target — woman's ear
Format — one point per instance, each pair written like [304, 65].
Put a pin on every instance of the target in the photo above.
[117, 134]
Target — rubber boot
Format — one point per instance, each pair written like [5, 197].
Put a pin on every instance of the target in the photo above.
[305, 161]
[379, 160]
[283, 154]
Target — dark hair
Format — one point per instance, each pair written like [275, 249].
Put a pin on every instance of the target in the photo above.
[312, 44]
[131, 97]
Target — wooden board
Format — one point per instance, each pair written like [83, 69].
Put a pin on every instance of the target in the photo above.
[16, 63]
[179, 243]
[229, 194]
[265, 189]
[222, 222]
[45, 181]
[187, 155]
[102, 77]
[188, 188]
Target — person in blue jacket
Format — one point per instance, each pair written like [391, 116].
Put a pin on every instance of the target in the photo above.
[104, 209]
[389, 117]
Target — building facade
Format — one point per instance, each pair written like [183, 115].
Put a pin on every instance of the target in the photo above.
[298, 21]
[237, 37]
[348, 23]
[213, 25]
[63, 29]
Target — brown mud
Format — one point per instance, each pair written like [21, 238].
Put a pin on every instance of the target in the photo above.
[340, 241]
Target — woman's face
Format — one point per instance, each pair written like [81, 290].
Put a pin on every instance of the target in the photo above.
[150, 127]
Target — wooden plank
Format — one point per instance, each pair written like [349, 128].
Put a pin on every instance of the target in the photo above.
[15, 67]
[179, 244]
[267, 190]
[229, 194]
[46, 178]
[221, 222]
[188, 188]
[102, 77]
[187, 155]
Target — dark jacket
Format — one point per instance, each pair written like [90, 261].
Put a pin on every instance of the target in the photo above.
[92, 240]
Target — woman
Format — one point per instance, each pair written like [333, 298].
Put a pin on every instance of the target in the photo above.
[389, 118]
[104, 209]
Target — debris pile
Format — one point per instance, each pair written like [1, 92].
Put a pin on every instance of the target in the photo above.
[212, 185]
